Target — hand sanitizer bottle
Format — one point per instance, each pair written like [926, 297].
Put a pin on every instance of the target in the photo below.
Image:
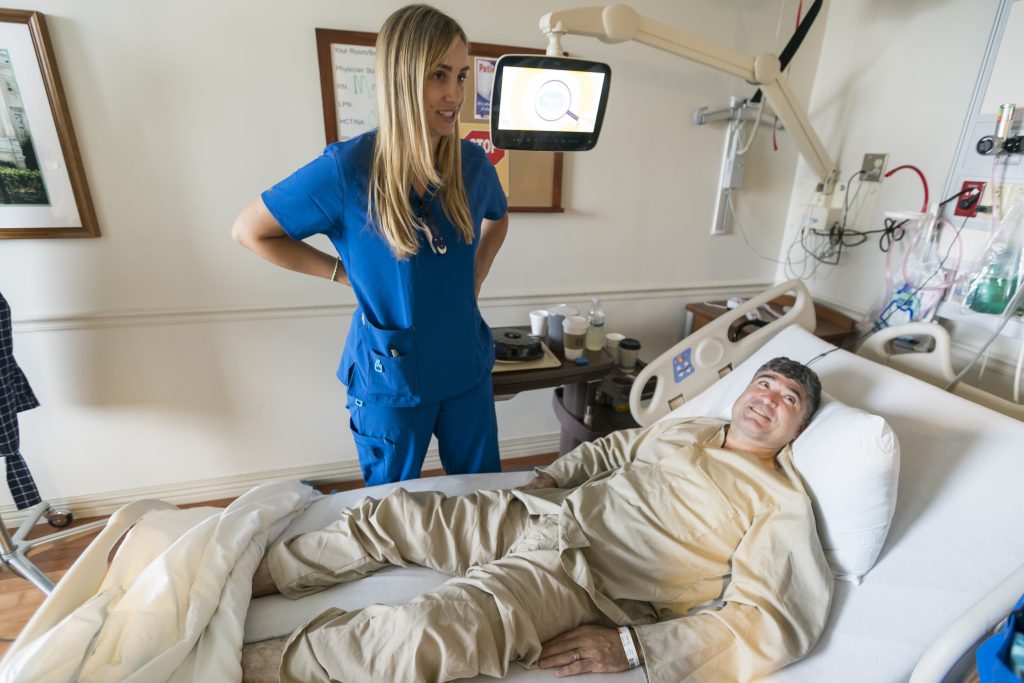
[595, 326]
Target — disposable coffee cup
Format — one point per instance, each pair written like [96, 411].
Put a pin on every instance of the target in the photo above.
[611, 343]
[538, 323]
[574, 333]
[629, 349]
[556, 315]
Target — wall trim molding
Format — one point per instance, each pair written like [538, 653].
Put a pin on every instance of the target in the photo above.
[179, 493]
[106, 503]
[855, 313]
[997, 363]
[147, 318]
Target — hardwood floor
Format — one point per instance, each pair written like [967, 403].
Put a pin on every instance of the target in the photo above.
[19, 599]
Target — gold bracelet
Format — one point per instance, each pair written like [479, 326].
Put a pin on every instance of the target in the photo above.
[334, 273]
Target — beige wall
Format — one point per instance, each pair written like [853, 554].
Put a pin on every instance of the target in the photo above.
[170, 361]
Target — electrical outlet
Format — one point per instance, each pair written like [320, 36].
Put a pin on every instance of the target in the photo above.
[873, 167]
[967, 204]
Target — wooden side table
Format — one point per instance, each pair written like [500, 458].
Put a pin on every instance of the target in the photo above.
[832, 326]
[576, 384]
[566, 374]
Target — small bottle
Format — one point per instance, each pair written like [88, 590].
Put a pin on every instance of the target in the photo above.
[595, 326]
[588, 416]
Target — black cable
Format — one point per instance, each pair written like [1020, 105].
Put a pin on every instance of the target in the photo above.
[836, 234]
[840, 237]
[794, 42]
[892, 232]
[826, 255]
[961, 192]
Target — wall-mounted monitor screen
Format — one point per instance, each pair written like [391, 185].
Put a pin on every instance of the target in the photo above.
[546, 103]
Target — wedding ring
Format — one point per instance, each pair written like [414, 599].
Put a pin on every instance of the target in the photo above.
[575, 654]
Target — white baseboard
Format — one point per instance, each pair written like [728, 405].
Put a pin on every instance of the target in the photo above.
[105, 504]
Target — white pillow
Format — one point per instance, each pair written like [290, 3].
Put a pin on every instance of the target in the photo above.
[849, 460]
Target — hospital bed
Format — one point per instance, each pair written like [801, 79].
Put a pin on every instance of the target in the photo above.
[950, 567]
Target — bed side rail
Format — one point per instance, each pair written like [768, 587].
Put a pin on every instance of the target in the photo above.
[708, 354]
[970, 628]
[934, 366]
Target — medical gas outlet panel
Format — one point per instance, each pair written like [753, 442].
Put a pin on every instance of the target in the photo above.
[991, 169]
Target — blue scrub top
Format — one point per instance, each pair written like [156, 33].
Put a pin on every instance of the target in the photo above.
[417, 335]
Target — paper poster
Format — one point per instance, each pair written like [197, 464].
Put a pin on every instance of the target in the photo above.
[355, 87]
[484, 76]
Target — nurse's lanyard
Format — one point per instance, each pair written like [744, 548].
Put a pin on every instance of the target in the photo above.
[434, 238]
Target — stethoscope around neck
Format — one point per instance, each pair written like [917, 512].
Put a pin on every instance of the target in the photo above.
[421, 219]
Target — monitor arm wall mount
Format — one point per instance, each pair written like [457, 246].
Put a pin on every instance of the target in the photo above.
[619, 23]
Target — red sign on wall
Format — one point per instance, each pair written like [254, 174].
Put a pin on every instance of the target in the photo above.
[483, 138]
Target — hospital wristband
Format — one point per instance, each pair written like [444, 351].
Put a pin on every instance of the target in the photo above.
[334, 273]
[627, 644]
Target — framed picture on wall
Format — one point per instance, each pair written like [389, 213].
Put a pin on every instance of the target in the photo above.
[43, 191]
[532, 180]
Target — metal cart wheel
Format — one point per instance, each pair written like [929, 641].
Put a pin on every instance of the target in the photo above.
[59, 518]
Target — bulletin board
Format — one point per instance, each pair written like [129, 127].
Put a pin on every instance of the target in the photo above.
[348, 86]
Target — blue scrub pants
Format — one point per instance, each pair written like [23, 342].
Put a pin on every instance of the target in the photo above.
[392, 442]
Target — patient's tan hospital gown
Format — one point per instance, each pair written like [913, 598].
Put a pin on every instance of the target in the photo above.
[645, 529]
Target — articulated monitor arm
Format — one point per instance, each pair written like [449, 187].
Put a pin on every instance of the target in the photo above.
[619, 23]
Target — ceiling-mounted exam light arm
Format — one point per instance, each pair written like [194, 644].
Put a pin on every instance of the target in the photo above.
[619, 23]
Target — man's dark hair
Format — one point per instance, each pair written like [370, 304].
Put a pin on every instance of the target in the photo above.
[802, 375]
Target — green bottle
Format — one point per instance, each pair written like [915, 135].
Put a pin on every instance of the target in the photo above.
[991, 295]
[996, 282]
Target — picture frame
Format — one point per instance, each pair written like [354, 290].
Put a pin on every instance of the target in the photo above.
[532, 180]
[43, 189]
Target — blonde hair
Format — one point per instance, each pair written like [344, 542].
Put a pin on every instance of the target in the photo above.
[411, 43]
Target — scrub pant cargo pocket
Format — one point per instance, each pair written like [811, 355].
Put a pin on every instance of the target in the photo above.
[392, 441]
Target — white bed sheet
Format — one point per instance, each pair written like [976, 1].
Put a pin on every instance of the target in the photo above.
[955, 535]
[956, 532]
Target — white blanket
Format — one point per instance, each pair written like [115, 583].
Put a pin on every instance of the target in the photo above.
[172, 604]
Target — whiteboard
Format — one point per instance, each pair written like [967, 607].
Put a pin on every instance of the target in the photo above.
[355, 89]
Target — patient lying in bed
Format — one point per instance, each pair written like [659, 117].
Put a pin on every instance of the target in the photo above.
[614, 555]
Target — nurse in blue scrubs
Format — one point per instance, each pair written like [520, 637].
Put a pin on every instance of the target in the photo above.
[417, 216]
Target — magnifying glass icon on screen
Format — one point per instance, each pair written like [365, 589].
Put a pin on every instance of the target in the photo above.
[554, 101]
